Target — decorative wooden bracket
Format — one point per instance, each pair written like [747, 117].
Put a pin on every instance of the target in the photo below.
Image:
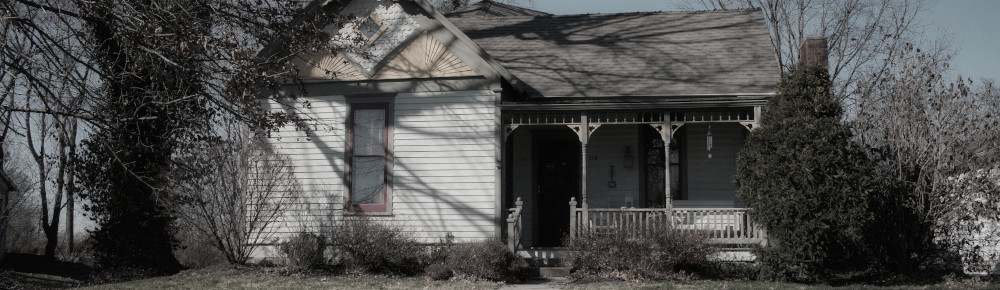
[657, 127]
[663, 133]
[507, 130]
[674, 127]
[590, 131]
[750, 126]
[576, 129]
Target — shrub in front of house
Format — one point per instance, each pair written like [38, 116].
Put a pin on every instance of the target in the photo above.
[809, 184]
[487, 259]
[304, 251]
[439, 251]
[369, 246]
[660, 253]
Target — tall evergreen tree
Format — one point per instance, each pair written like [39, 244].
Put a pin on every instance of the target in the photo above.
[807, 182]
[153, 78]
[124, 162]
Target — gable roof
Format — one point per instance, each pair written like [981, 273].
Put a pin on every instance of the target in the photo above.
[487, 8]
[456, 38]
[722, 53]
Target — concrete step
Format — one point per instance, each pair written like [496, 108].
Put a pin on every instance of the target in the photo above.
[541, 257]
[537, 283]
[547, 272]
[540, 262]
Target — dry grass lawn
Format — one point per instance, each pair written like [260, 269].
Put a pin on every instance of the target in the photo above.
[243, 279]
[239, 277]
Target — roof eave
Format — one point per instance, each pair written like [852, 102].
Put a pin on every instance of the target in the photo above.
[641, 102]
[708, 95]
[501, 71]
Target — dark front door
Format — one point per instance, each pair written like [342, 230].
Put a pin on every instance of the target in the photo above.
[558, 180]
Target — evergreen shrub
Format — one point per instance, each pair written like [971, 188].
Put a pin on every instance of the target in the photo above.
[808, 183]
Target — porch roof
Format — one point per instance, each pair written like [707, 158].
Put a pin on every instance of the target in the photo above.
[708, 53]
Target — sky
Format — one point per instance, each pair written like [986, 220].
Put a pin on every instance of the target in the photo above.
[972, 25]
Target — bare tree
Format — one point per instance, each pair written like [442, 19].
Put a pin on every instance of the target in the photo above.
[939, 140]
[50, 143]
[68, 131]
[233, 192]
[150, 77]
[19, 214]
[861, 34]
[50, 139]
[39, 145]
[934, 140]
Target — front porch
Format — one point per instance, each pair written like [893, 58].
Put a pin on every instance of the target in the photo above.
[569, 172]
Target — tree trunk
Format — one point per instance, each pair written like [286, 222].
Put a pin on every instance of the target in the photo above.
[70, 186]
[51, 238]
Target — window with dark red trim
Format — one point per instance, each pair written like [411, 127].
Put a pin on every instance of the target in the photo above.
[368, 162]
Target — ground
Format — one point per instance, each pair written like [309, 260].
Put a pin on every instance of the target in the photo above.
[21, 271]
[251, 281]
[254, 280]
[25, 271]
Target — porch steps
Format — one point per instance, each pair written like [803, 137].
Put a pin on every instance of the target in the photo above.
[541, 256]
[543, 262]
[546, 272]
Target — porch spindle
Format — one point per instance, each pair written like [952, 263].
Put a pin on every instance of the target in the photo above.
[572, 217]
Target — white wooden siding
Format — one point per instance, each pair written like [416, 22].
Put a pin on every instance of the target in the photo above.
[443, 168]
[607, 145]
[317, 161]
[446, 188]
[711, 179]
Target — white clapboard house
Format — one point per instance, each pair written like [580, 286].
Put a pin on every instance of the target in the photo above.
[501, 121]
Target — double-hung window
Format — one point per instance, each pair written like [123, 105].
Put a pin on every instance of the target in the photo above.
[369, 158]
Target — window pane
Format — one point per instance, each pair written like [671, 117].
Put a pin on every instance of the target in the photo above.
[369, 132]
[367, 180]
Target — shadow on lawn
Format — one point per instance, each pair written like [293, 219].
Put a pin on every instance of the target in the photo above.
[28, 271]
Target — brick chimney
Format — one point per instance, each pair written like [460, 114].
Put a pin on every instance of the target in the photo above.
[814, 51]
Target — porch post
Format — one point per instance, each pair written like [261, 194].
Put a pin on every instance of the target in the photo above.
[668, 134]
[584, 138]
[501, 188]
[499, 169]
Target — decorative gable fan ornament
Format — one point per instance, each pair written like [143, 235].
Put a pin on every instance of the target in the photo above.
[372, 37]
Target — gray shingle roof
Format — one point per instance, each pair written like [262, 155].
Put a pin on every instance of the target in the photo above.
[631, 54]
[487, 8]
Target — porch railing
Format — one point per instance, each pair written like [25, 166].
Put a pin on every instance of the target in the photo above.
[726, 226]
[514, 226]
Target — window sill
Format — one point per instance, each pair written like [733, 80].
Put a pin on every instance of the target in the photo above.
[369, 213]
